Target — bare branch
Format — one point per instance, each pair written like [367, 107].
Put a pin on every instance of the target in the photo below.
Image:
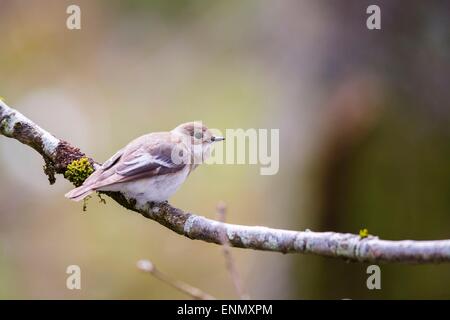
[194, 292]
[58, 154]
[229, 260]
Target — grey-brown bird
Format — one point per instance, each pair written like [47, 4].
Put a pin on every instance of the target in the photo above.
[152, 167]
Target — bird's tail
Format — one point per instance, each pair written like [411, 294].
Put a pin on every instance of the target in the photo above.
[79, 193]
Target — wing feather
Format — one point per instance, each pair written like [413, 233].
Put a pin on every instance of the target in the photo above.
[113, 160]
[143, 162]
[132, 163]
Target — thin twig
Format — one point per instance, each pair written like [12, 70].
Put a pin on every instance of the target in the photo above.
[148, 267]
[229, 260]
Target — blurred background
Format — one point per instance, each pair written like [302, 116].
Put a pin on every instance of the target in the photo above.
[364, 121]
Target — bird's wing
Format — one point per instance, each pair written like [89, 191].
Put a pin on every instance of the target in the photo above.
[139, 160]
[102, 172]
[113, 160]
[157, 160]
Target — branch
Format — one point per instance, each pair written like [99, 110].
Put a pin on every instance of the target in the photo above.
[196, 293]
[229, 260]
[58, 154]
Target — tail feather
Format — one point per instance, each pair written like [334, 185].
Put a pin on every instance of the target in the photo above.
[79, 193]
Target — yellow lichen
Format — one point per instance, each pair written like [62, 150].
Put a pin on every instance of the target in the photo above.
[363, 233]
[78, 171]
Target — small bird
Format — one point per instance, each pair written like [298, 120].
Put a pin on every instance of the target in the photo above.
[152, 167]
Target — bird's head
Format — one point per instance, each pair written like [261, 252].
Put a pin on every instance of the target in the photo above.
[198, 137]
[197, 133]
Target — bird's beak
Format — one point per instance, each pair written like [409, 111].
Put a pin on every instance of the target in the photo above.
[214, 139]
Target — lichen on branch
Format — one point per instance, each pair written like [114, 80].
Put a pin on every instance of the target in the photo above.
[78, 170]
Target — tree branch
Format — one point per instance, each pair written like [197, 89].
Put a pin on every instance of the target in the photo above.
[58, 154]
[148, 267]
[229, 260]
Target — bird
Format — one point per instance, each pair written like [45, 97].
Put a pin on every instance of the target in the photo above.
[152, 167]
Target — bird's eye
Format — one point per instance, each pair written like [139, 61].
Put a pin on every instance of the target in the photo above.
[198, 135]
